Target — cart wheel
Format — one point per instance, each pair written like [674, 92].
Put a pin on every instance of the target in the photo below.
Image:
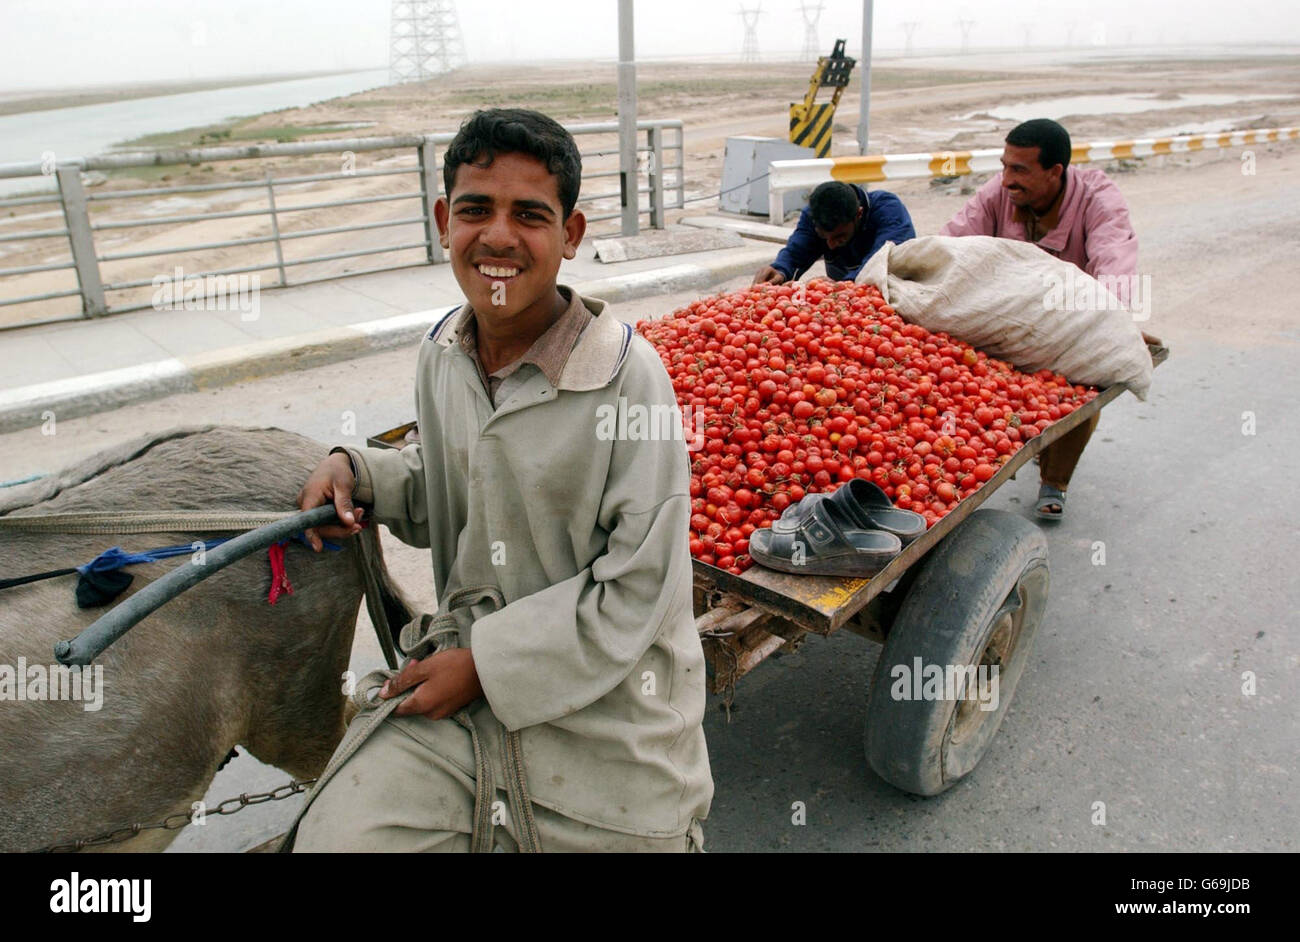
[977, 600]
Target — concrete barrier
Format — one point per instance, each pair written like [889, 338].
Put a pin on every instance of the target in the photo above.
[796, 174]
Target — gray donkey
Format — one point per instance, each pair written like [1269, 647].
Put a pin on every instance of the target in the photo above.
[216, 667]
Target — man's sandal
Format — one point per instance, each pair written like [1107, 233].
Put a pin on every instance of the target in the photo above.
[1049, 496]
[823, 541]
[864, 505]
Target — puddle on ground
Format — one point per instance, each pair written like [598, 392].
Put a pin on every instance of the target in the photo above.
[1058, 108]
[1205, 127]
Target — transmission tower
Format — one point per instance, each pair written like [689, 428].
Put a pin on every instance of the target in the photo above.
[749, 48]
[424, 40]
[909, 28]
[966, 27]
[1029, 31]
[811, 45]
[1069, 33]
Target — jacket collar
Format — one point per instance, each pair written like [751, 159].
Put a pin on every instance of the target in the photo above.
[596, 360]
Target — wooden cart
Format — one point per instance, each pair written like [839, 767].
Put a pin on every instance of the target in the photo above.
[969, 593]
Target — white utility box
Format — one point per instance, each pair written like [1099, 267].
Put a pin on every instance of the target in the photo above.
[747, 158]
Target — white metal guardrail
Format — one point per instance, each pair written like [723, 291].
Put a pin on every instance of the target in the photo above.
[797, 174]
[76, 249]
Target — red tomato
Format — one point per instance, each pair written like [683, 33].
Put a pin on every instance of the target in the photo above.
[807, 393]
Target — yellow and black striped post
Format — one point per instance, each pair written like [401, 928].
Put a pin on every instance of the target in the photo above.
[810, 123]
[812, 127]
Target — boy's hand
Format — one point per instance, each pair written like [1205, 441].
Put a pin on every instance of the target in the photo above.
[331, 481]
[443, 682]
[767, 275]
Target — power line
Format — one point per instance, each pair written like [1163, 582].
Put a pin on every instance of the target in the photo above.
[721, 193]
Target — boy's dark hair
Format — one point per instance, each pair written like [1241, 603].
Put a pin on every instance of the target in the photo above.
[1052, 141]
[832, 204]
[517, 131]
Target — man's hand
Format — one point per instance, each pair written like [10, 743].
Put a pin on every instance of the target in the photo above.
[443, 682]
[767, 275]
[331, 481]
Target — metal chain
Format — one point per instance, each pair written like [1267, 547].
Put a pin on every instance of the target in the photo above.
[181, 818]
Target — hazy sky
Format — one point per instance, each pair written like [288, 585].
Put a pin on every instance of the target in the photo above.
[46, 44]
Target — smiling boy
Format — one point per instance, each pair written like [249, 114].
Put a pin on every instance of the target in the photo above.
[585, 687]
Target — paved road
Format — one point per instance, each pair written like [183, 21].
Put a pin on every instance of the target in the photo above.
[1134, 693]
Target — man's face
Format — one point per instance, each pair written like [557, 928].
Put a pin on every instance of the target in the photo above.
[1025, 179]
[841, 234]
[504, 229]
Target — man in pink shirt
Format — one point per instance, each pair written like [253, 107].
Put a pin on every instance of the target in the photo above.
[1076, 215]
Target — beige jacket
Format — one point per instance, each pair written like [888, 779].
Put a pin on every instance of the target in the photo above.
[595, 658]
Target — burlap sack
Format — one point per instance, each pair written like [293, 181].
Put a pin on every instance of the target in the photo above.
[1015, 302]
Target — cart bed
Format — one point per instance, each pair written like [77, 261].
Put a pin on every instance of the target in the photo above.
[822, 604]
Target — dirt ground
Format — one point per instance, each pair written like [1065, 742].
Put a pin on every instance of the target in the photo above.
[915, 108]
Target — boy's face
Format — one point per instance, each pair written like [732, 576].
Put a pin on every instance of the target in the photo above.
[504, 229]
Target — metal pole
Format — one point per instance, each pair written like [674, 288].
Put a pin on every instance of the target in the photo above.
[681, 167]
[428, 153]
[656, 141]
[82, 239]
[275, 228]
[627, 119]
[864, 64]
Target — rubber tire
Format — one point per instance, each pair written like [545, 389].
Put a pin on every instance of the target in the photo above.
[947, 618]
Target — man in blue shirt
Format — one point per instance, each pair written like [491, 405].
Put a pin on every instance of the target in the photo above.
[845, 226]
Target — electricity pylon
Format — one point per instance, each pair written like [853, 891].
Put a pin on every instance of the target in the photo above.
[749, 48]
[909, 28]
[424, 40]
[966, 27]
[811, 45]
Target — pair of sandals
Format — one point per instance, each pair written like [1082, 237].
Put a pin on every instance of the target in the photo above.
[853, 531]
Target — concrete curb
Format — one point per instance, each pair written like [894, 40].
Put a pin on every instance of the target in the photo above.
[27, 406]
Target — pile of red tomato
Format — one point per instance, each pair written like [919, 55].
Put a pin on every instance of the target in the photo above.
[804, 387]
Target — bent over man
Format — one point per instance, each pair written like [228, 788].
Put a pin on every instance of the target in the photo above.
[575, 678]
[843, 224]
